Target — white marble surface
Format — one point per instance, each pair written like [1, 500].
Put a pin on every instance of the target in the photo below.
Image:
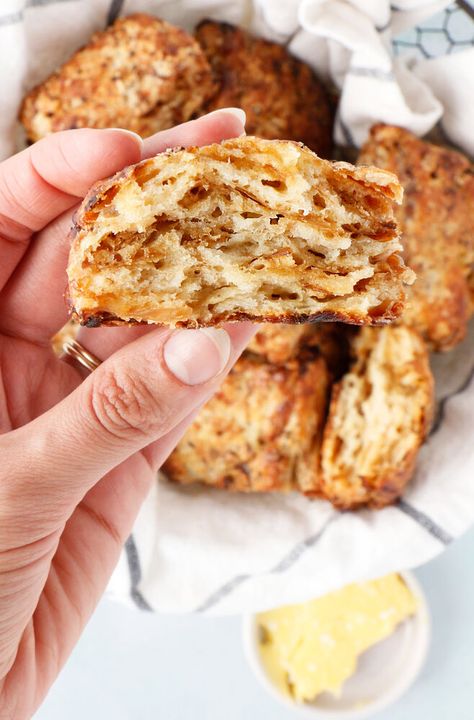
[135, 666]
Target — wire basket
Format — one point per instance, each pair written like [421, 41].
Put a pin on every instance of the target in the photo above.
[445, 33]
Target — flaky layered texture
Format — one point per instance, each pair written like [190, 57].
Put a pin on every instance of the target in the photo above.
[278, 343]
[379, 415]
[141, 74]
[281, 96]
[246, 229]
[437, 224]
[260, 432]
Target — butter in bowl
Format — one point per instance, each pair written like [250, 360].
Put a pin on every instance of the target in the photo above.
[345, 654]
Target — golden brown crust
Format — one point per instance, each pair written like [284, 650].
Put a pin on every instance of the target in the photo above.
[278, 343]
[261, 432]
[379, 415]
[280, 94]
[141, 74]
[246, 229]
[437, 223]
[92, 318]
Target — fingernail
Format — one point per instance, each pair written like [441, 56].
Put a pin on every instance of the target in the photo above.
[134, 135]
[235, 111]
[196, 356]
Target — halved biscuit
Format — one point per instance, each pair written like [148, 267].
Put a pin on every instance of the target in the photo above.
[260, 432]
[379, 415]
[246, 229]
[141, 74]
[437, 224]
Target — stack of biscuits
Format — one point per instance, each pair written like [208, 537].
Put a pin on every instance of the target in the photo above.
[325, 409]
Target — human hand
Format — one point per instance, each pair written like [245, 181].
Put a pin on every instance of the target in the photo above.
[78, 455]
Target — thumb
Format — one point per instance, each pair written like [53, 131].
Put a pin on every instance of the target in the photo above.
[137, 396]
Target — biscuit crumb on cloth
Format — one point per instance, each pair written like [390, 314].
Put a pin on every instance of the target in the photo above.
[281, 95]
[141, 74]
[437, 224]
[247, 229]
[262, 430]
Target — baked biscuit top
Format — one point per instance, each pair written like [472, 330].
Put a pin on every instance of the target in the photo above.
[141, 74]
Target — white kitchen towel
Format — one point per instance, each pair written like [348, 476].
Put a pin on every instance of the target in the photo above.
[206, 551]
[202, 550]
[347, 41]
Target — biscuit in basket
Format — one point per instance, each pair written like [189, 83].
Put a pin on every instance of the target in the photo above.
[278, 343]
[379, 415]
[437, 224]
[141, 74]
[281, 95]
[260, 432]
[246, 229]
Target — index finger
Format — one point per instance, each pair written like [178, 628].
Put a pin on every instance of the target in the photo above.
[48, 178]
[216, 126]
[23, 311]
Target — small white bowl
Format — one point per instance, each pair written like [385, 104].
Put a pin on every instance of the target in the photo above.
[384, 672]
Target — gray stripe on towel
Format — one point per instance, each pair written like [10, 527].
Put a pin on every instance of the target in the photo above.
[425, 522]
[17, 17]
[282, 566]
[384, 75]
[116, 7]
[135, 571]
[41, 3]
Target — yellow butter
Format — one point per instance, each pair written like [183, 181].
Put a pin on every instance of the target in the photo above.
[313, 647]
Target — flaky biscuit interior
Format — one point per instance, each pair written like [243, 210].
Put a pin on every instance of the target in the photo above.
[248, 228]
[379, 415]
